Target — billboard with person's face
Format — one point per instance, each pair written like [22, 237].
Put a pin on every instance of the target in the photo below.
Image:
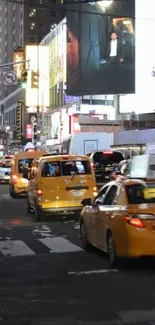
[101, 47]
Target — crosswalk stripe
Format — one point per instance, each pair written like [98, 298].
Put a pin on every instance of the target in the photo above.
[60, 245]
[15, 248]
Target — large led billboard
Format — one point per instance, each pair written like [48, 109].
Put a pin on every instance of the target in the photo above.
[39, 61]
[57, 54]
[101, 47]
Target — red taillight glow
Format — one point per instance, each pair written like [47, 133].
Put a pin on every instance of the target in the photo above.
[107, 152]
[65, 157]
[95, 191]
[14, 179]
[134, 222]
[92, 164]
[39, 192]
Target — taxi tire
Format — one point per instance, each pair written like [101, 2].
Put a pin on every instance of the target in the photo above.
[113, 259]
[85, 244]
[12, 192]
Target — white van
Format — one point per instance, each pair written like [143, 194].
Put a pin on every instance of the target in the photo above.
[84, 142]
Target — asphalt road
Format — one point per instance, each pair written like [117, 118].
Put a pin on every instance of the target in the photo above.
[47, 279]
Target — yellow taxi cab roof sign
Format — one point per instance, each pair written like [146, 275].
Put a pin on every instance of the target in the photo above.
[143, 166]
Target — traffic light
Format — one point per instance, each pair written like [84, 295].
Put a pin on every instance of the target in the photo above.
[35, 79]
[24, 75]
[19, 121]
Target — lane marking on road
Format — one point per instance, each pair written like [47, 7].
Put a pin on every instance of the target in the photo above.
[134, 316]
[5, 196]
[15, 248]
[93, 272]
[60, 245]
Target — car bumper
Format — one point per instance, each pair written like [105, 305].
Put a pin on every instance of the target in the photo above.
[4, 180]
[61, 211]
[141, 243]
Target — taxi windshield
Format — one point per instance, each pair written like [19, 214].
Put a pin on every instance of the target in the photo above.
[65, 168]
[139, 193]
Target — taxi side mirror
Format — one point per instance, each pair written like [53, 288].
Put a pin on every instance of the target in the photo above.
[87, 201]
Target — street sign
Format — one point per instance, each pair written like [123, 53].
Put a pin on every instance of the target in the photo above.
[10, 78]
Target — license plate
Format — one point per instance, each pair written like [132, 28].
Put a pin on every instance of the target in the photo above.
[107, 169]
[78, 193]
[7, 177]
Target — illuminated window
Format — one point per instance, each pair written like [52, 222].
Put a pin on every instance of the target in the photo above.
[32, 13]
[32, 26]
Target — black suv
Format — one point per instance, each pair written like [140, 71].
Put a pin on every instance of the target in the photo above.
[104, 163]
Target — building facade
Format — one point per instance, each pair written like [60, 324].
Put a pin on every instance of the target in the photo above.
[21, 25]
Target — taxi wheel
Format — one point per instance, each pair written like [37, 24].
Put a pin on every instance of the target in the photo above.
[113, 259]
[85, 244]
[12, 193]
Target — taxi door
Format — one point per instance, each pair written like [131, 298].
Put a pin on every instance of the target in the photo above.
[104, 216]
[94, 214]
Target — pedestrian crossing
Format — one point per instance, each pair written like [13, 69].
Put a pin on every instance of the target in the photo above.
[51, 245]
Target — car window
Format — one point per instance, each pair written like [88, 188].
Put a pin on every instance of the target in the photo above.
[111, 197]
[78, 167]
[51, 169]
[24, 163]
[126, 170]
[140, 193]
[65, 168]
[101, 195]
[108, 158]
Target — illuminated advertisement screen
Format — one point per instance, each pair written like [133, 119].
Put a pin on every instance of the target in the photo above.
[101, 48]
[57, 55]
[39, 61]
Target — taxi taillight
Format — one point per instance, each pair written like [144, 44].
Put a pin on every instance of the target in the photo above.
[137, 219]
[95, 191]
[134, 222]
[14, 179]
[39, 192]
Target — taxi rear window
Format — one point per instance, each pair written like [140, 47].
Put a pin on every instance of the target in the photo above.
[65, 168]
[140, 193]
[22, 163]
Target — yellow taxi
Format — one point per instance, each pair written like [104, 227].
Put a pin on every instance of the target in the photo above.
[58, 183]
[18, 184]
[121, 219]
